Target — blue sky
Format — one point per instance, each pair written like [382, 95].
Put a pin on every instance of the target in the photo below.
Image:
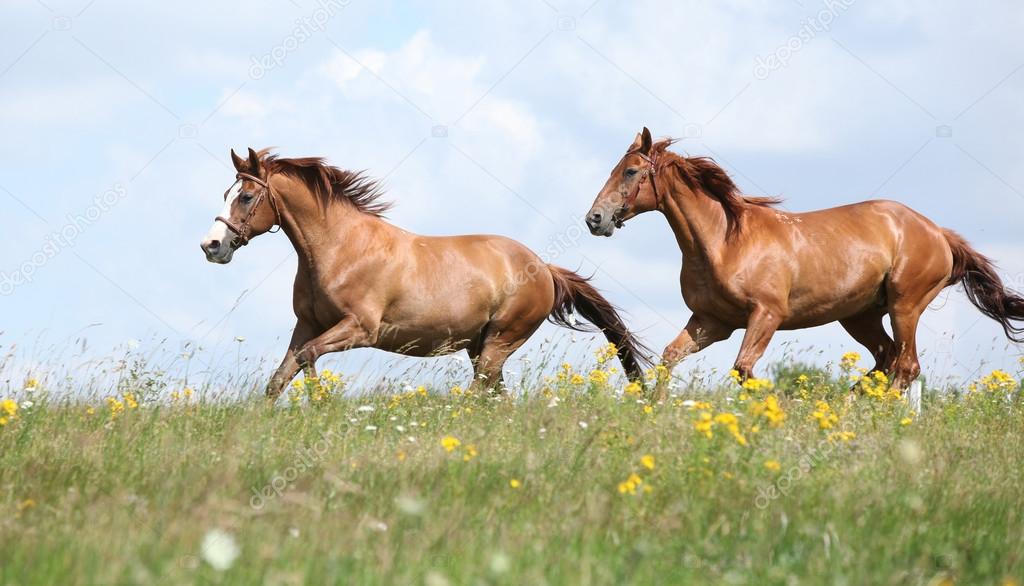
[483, 117]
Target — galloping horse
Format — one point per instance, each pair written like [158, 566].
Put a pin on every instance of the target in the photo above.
[363, 282]
[749, 265]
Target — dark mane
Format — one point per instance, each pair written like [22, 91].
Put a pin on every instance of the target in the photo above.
[705, 174]
[329, 183]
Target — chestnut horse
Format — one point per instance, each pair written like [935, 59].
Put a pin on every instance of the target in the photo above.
[363, 282]
[749, 265]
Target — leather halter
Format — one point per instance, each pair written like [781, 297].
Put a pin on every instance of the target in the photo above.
[651, 171]
[243, 228]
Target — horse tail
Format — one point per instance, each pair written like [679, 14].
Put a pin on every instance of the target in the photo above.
[574, 293]
[984, 287]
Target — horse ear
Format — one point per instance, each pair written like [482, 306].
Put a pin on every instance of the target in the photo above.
[254, 162]
[646, 141]
[637, 142]
[241, 165]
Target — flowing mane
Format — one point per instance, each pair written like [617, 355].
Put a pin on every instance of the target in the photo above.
[705, 174]
[330, 183]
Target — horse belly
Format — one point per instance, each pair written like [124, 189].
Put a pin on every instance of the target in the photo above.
[817, 310]
[436, 328]
[418, 341]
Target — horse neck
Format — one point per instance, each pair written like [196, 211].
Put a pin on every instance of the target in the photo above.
[698, 221]
[318, 231]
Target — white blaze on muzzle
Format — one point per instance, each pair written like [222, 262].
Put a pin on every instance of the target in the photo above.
[220, 232]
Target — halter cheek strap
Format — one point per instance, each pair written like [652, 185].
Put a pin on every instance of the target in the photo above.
[244, 228]
[651, 171]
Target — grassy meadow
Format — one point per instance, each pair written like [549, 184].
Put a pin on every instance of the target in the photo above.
[580, 480]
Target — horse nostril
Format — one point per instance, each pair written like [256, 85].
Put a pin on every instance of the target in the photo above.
[595, 218]
[212, 245]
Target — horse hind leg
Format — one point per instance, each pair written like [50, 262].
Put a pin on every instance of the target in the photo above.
[906, 316]
[488, 365]
[490, 355]
[869, 331]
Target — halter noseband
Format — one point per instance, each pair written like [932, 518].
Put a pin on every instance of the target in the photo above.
[243, 228]
[650, 171]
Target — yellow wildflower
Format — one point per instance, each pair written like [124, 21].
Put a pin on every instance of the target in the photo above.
[876, 385]
[732, 424]
[606, 353]
[24, 506]
[843, 436]
[773, 465]
[906, 421]
[630, 485]
[647, 461]
[116, 407]
[757, 385]
[450, 443]
[999, 380]
[634, 388]
[704, 424]
[576, 379]
[658, 374]
[31, 384]
[849, 361]
[8, 411]
[823, 414]
[514, 483]
[470, 453]
[770, 410]
[599, 377]
[648, 409]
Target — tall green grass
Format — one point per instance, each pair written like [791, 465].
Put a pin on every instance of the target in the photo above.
[536, 488]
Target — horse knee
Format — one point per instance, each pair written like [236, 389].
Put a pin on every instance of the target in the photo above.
[675, 353]
[307, 355]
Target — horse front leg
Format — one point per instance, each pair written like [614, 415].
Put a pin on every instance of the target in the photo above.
[699, 333]
[351, 332]
[761, 326]
[290, 365]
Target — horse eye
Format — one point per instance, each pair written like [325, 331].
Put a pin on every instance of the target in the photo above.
[245, 198]
[630, 171]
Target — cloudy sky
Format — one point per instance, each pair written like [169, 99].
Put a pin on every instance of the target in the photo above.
[483, 117]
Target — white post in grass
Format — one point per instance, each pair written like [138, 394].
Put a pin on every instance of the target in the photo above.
[914, 395]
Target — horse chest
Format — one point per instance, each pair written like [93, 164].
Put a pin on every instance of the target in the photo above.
[704, 294]
[316, 303]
